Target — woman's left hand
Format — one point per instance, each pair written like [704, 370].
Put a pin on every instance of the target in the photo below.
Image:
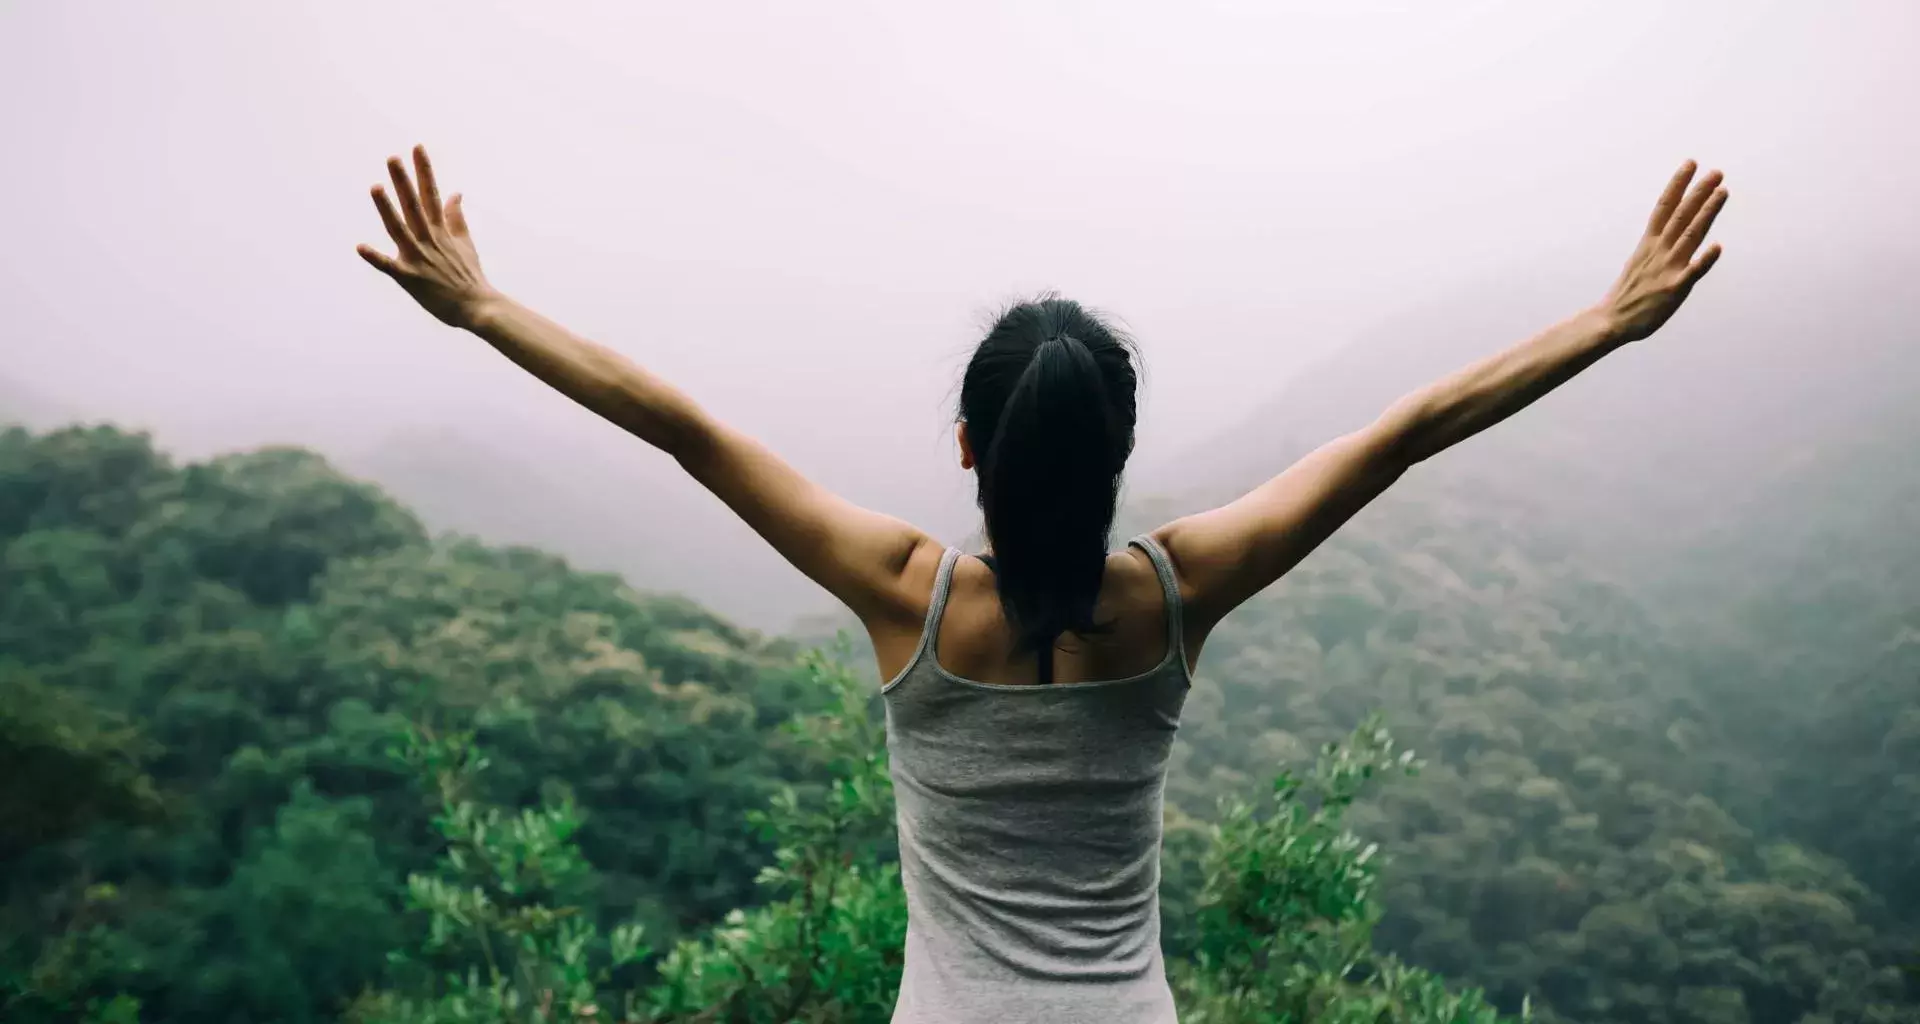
[1663, 269]
[436, 262]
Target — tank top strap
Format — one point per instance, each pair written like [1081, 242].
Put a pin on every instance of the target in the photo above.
[942, 586]
[936, 607]
[1170, 587]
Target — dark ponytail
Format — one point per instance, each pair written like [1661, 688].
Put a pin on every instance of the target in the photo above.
[1049, 405]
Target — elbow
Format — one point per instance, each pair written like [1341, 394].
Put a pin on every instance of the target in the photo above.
[686, 439]
[693, 439]
[1405, 435]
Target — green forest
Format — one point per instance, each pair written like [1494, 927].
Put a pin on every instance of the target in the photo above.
[273, 750]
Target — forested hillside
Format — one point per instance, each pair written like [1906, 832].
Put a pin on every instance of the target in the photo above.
[212, 671]
[224, 653]
[1594, 828]
[1688, 583]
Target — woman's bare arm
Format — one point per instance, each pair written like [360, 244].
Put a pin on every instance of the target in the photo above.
[859, 556]
[1228, 554]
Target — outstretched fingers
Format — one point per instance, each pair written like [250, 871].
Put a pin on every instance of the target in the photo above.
[429, 189]
[409, 200]
[1697, 227]
[396, 229]
[1705, 263]
[1670, 199]
[457, 216]
[1697, 199]
[381, 261]
[417, 221]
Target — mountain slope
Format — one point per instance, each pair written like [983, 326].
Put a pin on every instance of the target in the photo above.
[633, 514]
[253, 638]
[1662, 448]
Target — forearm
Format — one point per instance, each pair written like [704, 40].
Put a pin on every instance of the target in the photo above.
[1454, 408]
[591, 374]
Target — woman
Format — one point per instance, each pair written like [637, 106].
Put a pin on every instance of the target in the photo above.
[1034, 691]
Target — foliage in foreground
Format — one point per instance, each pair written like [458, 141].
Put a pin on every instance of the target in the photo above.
[1285, 931]
[1287, 911]
[497, 947]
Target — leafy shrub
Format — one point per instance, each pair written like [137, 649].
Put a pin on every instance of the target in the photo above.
[1284, 931]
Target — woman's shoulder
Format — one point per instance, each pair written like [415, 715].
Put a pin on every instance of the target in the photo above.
[1132, 585]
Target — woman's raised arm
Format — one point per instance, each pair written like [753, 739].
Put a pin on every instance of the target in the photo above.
[861, 557]
[1226, 555]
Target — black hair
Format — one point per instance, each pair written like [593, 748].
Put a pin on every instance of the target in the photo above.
[1049, 404]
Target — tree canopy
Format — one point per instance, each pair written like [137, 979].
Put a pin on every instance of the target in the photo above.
[270, 751]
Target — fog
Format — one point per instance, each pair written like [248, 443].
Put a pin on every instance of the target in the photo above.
[803, 214]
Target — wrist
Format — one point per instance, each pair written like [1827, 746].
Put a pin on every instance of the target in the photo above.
[483, 311]
[1604, 325]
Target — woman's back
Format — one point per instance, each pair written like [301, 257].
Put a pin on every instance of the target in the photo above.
[1030, 825]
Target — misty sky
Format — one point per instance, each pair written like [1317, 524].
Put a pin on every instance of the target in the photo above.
[803, 213]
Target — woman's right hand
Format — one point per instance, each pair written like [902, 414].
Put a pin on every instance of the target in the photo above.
[436, 262]
[1662, 270]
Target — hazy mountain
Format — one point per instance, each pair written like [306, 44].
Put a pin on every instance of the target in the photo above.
[1684, 447]
[632, 514]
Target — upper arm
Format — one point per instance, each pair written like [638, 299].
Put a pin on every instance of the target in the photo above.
[864, 558]
[1226, 555]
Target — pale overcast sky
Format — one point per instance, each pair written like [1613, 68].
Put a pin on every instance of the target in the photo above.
[803, 212]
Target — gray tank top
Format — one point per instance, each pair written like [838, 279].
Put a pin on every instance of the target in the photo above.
[1030, 823]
